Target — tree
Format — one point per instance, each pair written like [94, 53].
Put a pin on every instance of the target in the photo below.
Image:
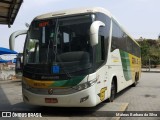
[150, 49]
[145, 54]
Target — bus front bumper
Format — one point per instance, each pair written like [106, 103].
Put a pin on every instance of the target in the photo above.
[84, 98]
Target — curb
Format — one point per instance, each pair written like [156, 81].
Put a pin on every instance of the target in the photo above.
[151, 71]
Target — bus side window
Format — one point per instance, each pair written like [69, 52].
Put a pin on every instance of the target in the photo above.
[100, 50]
[115, 37]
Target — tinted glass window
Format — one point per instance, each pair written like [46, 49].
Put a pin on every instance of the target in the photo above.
[120, 40]
[100, 51]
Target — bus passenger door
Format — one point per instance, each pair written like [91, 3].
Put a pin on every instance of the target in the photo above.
[101, 67]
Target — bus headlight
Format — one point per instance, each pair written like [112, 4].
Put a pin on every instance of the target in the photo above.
[85, 85]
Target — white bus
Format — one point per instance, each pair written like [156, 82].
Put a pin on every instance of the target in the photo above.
[77, 58]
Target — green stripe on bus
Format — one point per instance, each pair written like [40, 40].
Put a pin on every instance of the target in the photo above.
[126, 65]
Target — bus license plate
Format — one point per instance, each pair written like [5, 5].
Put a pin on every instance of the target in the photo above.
[51, 100]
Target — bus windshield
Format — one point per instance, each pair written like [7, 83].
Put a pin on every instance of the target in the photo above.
[60, 41]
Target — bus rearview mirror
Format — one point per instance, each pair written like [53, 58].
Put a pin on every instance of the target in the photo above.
[13, 37]
[94, 29]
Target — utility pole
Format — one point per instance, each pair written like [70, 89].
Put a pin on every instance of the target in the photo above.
[149, 64]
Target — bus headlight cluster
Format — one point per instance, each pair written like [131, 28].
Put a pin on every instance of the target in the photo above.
[85, 85]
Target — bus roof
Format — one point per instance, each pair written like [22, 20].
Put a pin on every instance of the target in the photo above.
[74, 11]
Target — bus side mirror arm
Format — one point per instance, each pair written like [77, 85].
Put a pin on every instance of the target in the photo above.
[94, 29]
[13, 36]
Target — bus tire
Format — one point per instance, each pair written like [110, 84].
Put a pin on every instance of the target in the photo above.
[136, 80]
[113, 91]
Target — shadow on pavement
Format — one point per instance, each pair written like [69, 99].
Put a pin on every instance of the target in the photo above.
[60, 111]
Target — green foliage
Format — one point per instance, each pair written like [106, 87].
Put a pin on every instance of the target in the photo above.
[150, 49]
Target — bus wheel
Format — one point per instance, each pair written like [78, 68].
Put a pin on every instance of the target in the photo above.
[136, 81]
[113, 91]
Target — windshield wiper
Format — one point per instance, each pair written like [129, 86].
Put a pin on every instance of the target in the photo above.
[55, 42]
[63, 68]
